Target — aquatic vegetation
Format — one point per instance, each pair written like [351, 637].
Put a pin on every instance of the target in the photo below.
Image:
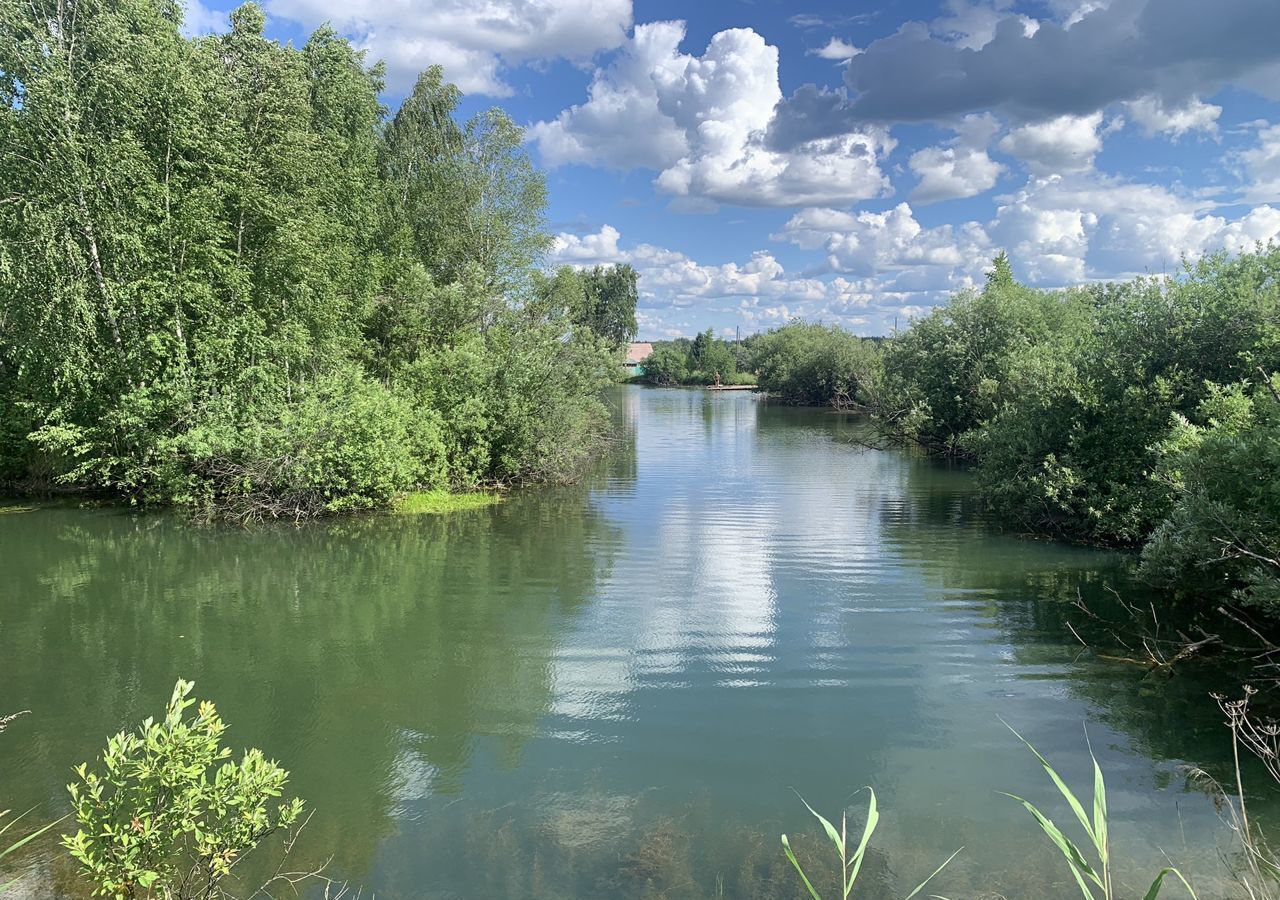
[440, 501]
[850, 862]
[8, 822]
[1097, 873]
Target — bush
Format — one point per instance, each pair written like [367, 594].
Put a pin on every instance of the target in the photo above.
[172, 814]
[667, 366]
[1067, 443]
[949, 372]
[348, 444]
[817, 365]
[1223, 532]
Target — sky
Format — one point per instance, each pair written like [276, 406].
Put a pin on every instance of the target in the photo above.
[857, 162]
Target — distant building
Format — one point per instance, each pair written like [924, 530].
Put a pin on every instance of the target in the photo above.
[637, 353]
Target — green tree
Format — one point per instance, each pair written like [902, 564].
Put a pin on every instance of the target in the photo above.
[210, 246]
[609, 304]
[817, 365]
[667, 365]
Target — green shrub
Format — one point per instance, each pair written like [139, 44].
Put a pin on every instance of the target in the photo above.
[1222, 534]
[347, 444]
[172, 814]
[816, 365]
[667, 365]
[1068, 443]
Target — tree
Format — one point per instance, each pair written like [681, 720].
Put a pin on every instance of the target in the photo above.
[609, 304]
[220, 266]
[1001, 274]
[817, 365]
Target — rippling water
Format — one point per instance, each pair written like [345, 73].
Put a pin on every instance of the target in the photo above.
[617, 689]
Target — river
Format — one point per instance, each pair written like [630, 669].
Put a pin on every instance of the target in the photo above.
[618, 688]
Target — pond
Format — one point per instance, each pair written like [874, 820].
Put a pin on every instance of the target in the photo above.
[619, 688]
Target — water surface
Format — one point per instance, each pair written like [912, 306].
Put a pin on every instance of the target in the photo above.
[617, 689]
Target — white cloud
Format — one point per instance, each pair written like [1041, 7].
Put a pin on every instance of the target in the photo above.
[700, 121]
[1062, 229]
[1062, 144]
[961, 169]
[892, 241]
[1259, 165]
[837, 49]
[198, 19]
[473, 39]
[1154, 117]
[670, 278]
[973, 25]
[600, 247]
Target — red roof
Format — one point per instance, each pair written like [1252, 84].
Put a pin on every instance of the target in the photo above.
[638, 350]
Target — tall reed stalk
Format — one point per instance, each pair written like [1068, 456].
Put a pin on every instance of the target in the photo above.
[1096, 873]
[850, 863]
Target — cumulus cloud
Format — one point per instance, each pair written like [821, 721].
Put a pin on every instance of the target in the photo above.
[473, 39]
[869, 243]
[1259, 165]
[198, 19]
[1069, 228]
[1153, 117]
[1062, 144]
[670, 278]
[960, 169]
[837, 49]
[1102, 53]
[701, 122]
[1059, 229]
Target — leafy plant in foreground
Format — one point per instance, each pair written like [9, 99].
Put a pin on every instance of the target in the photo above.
[172, 814]
[850, 864]
[1096, 829]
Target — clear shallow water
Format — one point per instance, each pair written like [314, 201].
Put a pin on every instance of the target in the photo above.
[616, 689]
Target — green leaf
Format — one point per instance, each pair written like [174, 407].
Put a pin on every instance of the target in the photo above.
[786, 846]
[1154, 891]
[873, 818]
[827, 826]
[1060, 784]
[920, 886]
[28, 839]
[1099, 811]
[1079, 865]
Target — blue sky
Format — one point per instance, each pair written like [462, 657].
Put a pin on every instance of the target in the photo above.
[858, 162]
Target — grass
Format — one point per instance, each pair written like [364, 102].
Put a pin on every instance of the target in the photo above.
[434, 503]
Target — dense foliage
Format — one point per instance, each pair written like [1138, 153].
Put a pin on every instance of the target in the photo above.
[704, 360]
[1121, 414]
[817, 365]
[1143, 414]
[1222, 532]
[227, 281]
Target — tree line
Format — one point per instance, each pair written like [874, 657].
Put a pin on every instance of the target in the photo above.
[230, 280]
[1142, 414]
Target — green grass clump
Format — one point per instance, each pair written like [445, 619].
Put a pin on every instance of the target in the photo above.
[439, 502]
